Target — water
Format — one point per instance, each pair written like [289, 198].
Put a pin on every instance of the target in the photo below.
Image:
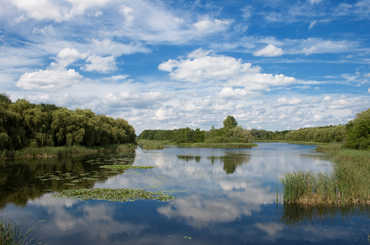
[223, 196]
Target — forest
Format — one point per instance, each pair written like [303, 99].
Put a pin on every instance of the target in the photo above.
[23, 124]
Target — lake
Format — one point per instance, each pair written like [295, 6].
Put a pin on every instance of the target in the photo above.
[222, 196]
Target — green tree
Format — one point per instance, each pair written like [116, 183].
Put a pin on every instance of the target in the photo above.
[230, 122]
[358, 131]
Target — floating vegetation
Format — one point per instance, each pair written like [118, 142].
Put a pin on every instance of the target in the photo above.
[115, 195]
[125, 167]
[189, 158]
[349, 185]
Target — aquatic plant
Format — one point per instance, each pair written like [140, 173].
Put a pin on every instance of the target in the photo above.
[115, 195]
[125, 167]
[349, 184]
[11, 234]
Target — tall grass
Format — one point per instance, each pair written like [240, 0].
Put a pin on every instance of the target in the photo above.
[11, 234]
[349, 184]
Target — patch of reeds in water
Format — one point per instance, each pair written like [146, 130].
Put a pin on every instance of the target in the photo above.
[116, 195]
[11, 234]
[349, 184]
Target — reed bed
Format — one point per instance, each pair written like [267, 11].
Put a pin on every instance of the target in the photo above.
[11, 234]
[349, 184]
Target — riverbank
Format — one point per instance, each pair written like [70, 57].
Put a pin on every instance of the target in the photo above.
[158, 145]
[51, 152]
[348, 185]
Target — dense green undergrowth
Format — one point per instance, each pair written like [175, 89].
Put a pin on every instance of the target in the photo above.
[48, 152]
[348, 185]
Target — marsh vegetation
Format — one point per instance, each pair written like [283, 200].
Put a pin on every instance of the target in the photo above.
[115, 195]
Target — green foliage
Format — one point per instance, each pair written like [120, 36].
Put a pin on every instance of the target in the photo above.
[115, 195]
[24, 124]
[12, 234]
[230, 122]
[230, 133]
[358, 131]
[182, 135]
[348, 185]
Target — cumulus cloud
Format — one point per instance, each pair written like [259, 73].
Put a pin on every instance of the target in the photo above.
[202, 66]
[151, 22]
[56, 10]
[269, 51]
[49, 79]
[100, 64]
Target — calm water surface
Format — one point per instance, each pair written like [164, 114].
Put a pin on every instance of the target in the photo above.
[223, 196]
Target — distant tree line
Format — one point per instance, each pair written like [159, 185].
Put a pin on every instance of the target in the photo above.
[355, 134]
[230, 133]
[25, 124]
[325, 134]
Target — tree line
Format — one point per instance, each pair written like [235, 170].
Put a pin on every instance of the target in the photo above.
[355, 134]
[230, 133]
[25, 124]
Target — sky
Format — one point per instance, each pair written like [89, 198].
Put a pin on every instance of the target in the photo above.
[272, 64]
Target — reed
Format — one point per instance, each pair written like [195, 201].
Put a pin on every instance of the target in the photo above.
[349, 184]
[11, 234]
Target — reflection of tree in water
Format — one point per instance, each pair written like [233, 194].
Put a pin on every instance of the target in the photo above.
[231, 161]
[298, 213]
[188, 158]
[20, 181]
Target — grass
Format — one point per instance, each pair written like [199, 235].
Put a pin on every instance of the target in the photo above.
[48, 152]
[125, 167]
[11, 234]
[292, 142]
[217, 145]
[153, 144]
[115, 195]
[349, 184]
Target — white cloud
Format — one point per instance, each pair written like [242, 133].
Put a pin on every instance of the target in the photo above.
[315, 1]
[269, 51]
[154, 22]
[49, 79]
[100, 64]
[56, 10]
[203, 66]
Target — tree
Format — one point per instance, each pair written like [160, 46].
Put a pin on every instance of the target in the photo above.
[230, 122]
[358, 131]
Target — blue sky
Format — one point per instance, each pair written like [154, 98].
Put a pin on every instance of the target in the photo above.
[273, 64]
